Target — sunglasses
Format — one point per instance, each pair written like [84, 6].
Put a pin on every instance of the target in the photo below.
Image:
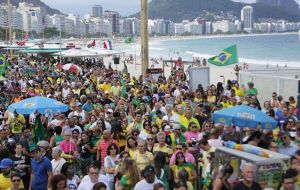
[147, 124]
[180, 157]
[149, 139]
[16, 180]
[178, 148]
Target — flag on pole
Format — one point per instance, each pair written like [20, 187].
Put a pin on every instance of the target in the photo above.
[228, 56]
[3, 63]
[107, 45]
[129, 40]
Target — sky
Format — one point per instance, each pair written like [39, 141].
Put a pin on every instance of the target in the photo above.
[83, 7]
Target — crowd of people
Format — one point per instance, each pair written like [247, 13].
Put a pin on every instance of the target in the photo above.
[127, 133]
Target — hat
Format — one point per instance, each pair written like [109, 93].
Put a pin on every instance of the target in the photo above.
[176, 126]
[167, 128]
[33, 148]
[149, 170]
[110, 111]
[79, 104]
[106, 92]
[5, 163]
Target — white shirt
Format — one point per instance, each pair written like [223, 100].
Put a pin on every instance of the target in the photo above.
[66, 92]
[174, 118]
[73, 183]
[82, 114]
[107, 125]
[144, 185]
[86, 183]
[57, 165]
[215, 142]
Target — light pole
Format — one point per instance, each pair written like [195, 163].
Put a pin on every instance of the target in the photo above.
[144, 36]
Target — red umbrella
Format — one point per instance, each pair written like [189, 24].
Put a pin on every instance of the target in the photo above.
[72, 67]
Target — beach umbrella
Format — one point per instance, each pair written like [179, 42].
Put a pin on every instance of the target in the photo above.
[40, 104]
[72, 67]
[244, 116]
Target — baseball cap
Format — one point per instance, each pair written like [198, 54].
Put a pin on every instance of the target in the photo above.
[106, 92]
[176, 126]
[110, 111]
[149, 170]
[33, 148]
[5, 163]
[167, 128]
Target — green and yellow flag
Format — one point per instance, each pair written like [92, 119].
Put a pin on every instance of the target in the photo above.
[228, 56]
[3, 63]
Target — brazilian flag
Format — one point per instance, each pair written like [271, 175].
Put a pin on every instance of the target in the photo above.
[129, 40]
[228, 56]
[3, 63]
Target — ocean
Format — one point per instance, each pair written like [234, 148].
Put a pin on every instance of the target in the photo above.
[273, 49]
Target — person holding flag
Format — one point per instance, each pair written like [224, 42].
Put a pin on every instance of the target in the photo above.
[228, 56]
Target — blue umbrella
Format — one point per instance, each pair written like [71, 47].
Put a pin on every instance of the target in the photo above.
[40, 104]
[244, 116]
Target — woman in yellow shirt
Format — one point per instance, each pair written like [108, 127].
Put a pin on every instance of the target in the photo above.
[131, 146]
[143, 157]
[210, 97]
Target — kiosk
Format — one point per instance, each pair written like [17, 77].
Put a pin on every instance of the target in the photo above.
[267, 171]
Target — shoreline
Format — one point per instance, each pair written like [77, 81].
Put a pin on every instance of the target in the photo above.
[175, 38]
[154, 43]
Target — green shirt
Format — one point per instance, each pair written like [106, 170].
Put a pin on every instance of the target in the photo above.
[125, 183]
[251, 91]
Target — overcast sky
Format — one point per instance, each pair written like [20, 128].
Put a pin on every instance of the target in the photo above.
[82, 7]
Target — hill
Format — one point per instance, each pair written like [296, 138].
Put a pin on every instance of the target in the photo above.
[179, 10]
[39, 3]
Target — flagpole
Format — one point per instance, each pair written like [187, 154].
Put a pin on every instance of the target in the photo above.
[60, 58]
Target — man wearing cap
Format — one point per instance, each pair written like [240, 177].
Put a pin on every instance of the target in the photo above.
[81, 113]
[149, 179]
[5, 177]
[41, 170]
[288, 147]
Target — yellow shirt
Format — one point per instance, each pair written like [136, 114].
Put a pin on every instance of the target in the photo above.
[142, 160]
[132, 152]
[211, 99]
[106, 87]
[239, 92]
[165, 87]
[166, 149]
[195, 121]
[226, 104]
[183, 121]
[17, 124]
[5, 182]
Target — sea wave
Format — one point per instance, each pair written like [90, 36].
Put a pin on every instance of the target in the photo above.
[156, 48]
